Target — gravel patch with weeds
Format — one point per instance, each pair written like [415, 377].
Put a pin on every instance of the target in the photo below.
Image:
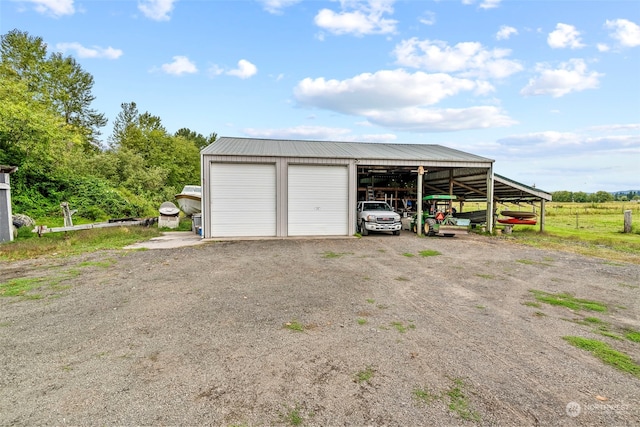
[203, 335]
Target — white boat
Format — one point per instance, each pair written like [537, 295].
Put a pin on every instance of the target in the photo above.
[190, 199]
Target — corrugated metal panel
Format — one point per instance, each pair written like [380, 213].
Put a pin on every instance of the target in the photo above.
[318, 200]
[228, 146]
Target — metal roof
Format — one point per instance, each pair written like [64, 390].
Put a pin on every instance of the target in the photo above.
[468, 171]
[229, 146]
[471, 183]
[8, 169]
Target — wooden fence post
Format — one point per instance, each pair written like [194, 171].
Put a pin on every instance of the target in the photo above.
[627, 222]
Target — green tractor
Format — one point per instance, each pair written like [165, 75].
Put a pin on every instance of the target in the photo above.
[438, 217]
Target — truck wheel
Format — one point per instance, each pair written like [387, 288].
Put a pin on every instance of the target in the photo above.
[396, 233]
[414, 228]
[363, 229]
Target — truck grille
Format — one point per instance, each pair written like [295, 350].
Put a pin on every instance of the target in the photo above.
[385, 220]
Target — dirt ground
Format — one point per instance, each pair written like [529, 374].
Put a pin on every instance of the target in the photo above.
[205, 335]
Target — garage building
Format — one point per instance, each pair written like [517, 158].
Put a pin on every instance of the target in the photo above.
[281, 188]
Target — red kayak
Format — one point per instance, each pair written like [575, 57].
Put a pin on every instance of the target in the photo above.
[514, 221]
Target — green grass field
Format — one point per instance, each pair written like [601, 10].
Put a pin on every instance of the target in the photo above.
[594, 229]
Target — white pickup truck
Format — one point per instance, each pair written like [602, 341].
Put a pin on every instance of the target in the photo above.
[377, 216]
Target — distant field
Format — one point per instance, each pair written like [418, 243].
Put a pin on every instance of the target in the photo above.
[589, 228]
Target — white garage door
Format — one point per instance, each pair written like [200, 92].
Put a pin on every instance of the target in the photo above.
[243, 199]
[318, 200]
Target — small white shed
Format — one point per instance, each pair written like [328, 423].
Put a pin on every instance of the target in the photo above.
[6, 221]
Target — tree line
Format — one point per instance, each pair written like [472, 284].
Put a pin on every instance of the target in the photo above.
[50, 131]
[597, 197]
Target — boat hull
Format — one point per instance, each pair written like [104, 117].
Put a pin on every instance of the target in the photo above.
[519, 214]
[189, 204]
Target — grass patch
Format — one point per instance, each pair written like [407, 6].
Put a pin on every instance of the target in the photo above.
[532, 304]
[569, 301]
[606, 354]
[624, 285]
[429, 252]
[331, 254]
[400, 327]
[459, 403]
[424, 395]
[101, 264]
[486, 276]
[365, 375]
[408, 254]
[456, 396]
[75, 242]
[21, 287]
[402, 279]
[605, 332]
[294, 325]
[531, 262]
[361, 321]
[632, 335]
[371, 301]
[294, 416]
[603, 328]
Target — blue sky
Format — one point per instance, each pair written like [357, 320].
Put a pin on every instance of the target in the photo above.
[549, 89]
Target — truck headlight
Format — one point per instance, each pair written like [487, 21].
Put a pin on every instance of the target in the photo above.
[372, 218]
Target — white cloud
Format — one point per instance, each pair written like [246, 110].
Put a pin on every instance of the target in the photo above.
[386, 89]
[571, 76]
[490, 4]
[300, 132]
[506, 32]
[358, 17]
[54, 7]
[214, 70]
[245, 69]
[602, 47]
[625, 31]
[318, 133]
[441, 120]
[92, 52]
[157, 10]
[180, 65]
[616, 127]
[565, 35]
[397, 99]
[485, 4]
[428, 18]
[470, 59]
[553, 143]
[275, 6]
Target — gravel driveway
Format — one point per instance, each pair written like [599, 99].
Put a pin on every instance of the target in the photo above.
[317, 332]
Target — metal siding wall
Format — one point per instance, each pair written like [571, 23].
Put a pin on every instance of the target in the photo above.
[318, 200]
[242, 199]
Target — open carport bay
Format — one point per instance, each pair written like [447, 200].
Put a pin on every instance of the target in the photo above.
[206, 335]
